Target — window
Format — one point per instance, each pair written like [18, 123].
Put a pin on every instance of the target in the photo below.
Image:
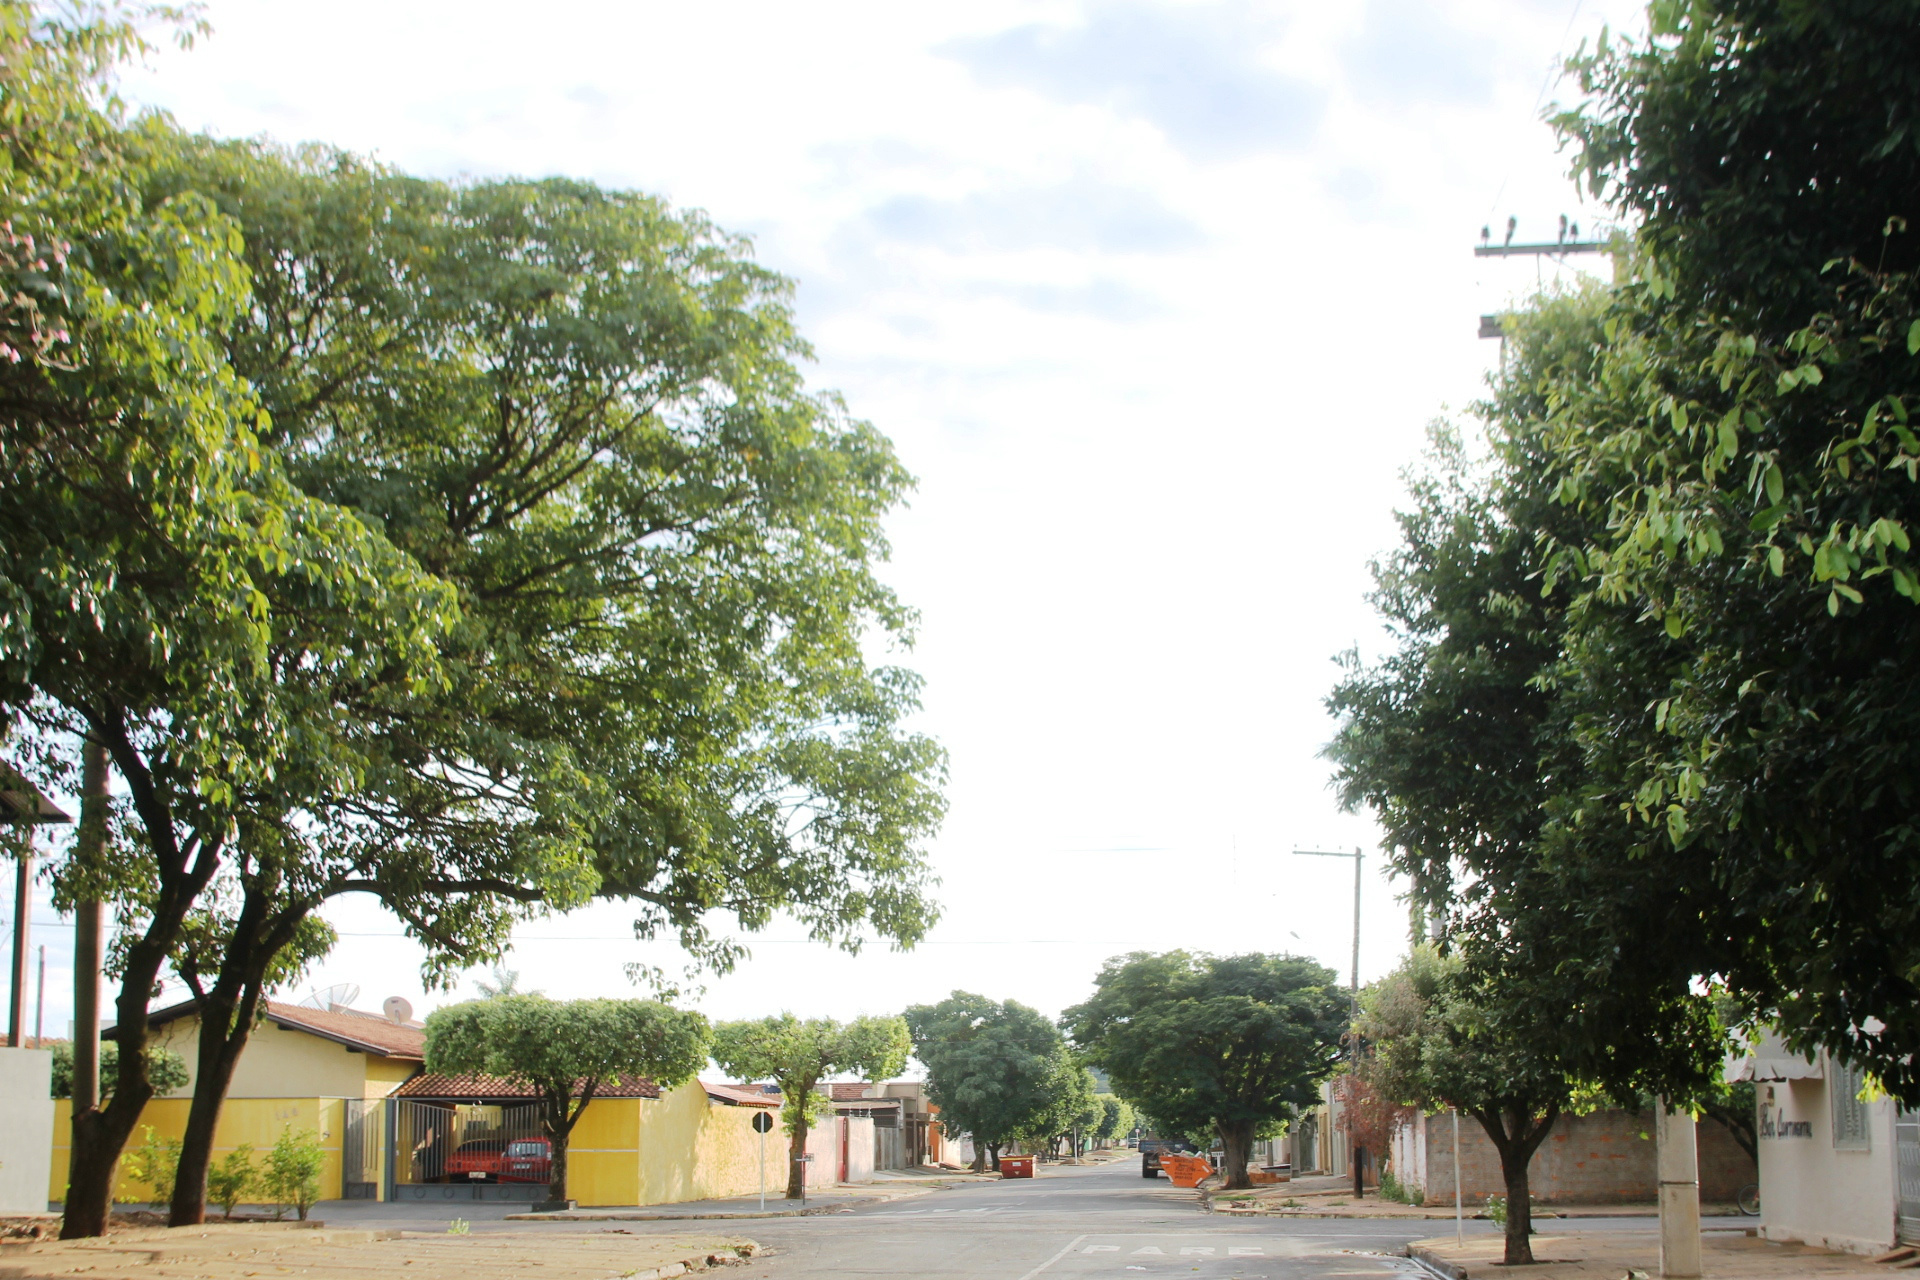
[1844, 1084]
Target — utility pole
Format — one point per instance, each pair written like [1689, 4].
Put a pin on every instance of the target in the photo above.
[88, 952]
[1353, 1036]
[1568, 243]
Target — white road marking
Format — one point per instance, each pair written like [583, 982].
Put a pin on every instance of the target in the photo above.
[1238, 1251]
[1152, 1248]
[1101, 1248]
[1197, 1249]
[1055, 1258]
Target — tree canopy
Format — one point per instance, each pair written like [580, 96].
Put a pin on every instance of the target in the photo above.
[797, 1054]
[567, 1050]
[1233, 1045]
[990, 1066]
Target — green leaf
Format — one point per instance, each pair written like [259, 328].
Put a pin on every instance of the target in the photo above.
[1776, 560]
[1913, 337]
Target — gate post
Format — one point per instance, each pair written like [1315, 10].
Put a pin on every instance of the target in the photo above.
[388, 1164]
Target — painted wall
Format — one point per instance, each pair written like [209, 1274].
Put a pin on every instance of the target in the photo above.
[290, 1064]
[681, 1146]
[1810, 1192]
[256, 1121]
[1603, 1158]
[26, 1129]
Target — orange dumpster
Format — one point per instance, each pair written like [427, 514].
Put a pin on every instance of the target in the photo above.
[1185, 1170]
[1016, 1166]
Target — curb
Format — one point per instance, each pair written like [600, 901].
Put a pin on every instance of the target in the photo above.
[641, 1215]
[1438, 1267]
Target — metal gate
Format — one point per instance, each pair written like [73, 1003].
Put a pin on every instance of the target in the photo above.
[361, 1147]
[1906, 1147]
[446, 1151]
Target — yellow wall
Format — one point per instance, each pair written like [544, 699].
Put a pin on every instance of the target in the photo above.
[258, 1121]
[289, 1064]
[624, 1151]
[678, 1147]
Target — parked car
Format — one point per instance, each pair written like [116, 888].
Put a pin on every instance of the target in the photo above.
[476, 1161]
[527, 1160]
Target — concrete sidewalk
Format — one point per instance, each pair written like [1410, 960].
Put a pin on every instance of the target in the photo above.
[1617, 1254]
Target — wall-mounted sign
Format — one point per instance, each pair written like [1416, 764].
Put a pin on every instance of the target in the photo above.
[1774, 1124]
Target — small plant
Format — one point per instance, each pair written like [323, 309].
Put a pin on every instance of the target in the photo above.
[293, 1171]
[459, 1227]
[229, 1181]
[1290, 1203]
[1497, 1211]
[1391, 1189]
[156, 1162]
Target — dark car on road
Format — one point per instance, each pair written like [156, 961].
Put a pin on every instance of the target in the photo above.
[1150, 1150]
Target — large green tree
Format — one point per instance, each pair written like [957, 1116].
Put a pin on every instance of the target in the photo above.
[1232, 1045]
[989, 1066]
[1741, 450]
[797, 1054]
[582, 411]
[165, 592]
[567, 1051]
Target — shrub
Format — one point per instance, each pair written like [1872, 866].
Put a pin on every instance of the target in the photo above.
[154, 1162]
[229, 1181]
[293, 1171]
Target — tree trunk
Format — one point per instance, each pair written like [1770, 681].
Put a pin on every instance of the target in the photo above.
[1236, 1139]
[797, 1147]
[227, 1016]
[100, 1134]
[1516, 1134]
[557, 1174]
[993, 1155]
[979, 1156]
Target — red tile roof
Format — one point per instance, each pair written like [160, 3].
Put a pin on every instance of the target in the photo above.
[463, 1088]
[369, 1033]
[740, 1095]
[846, 1092]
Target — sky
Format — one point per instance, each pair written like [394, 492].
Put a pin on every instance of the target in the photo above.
[1156, 299]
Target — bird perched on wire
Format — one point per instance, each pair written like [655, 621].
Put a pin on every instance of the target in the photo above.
[1513, 225]
[1563, 228]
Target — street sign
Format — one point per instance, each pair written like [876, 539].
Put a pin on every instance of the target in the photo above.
[762, 1122]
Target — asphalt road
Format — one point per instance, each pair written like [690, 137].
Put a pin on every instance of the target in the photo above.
[1100, 1223]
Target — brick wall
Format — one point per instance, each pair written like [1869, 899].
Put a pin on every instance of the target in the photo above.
[1603, 1158]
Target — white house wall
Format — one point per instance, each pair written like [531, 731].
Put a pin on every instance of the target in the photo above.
[1813, 1194]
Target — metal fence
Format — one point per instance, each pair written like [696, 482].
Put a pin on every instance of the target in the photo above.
[445, 1151]
[361, 1148]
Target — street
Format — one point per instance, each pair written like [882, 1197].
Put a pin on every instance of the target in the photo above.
[1103, 1222]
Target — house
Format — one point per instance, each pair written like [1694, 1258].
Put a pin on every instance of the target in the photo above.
[1839, 1168]
[304, 1068]
[906, 1127]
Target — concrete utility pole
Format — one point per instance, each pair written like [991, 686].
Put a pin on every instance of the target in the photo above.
[88, 948]
[1678, 1160]
[1358, 858]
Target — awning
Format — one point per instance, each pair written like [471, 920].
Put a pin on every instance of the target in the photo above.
[1760, 1069]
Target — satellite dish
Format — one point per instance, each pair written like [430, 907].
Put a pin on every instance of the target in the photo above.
[397, 1009]
[329, 998]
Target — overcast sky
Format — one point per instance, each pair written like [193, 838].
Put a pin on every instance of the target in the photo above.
[1156, 299]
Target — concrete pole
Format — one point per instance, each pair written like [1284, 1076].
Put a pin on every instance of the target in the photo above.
[22, 933]
[1679, 1165]
[1459, 1212]
[88, 945]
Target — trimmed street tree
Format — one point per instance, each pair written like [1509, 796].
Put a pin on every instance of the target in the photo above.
[1116, 1119]
[798, 1054]
[1228, 1045]
[566, 1050]
[1436, 1038]
[990, 1067]
[1069, 1105]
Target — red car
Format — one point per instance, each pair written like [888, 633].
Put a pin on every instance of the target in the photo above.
[476, 1161]
[527, 1160]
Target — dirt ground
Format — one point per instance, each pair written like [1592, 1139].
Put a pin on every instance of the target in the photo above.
[237, 1251]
